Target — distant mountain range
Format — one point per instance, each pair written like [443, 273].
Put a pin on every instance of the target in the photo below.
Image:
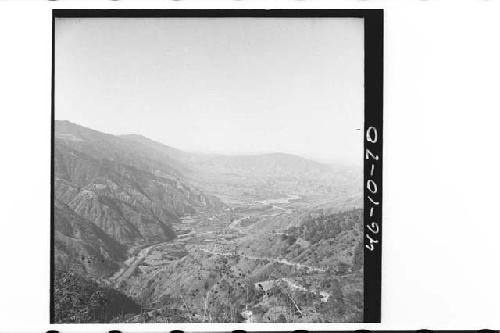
[113, 193]
[269, 165]
[119, 200]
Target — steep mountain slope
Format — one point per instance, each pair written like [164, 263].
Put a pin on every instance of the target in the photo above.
[102, 146]
[331, 241]
[78, 300]
[288, 223]
[82, 246]
[134, 197]
[334, 240]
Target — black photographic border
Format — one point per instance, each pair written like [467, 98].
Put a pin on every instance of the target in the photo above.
[373, 124]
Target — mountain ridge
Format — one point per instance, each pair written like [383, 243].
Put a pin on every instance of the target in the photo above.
[136, 189]
[254, 232]
[134, 199]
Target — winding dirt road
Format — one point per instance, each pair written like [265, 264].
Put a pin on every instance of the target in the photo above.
[278, 261]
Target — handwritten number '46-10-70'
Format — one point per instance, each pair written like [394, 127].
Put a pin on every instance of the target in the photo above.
[371, 186]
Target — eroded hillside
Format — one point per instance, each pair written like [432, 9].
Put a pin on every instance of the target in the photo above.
[207, 238]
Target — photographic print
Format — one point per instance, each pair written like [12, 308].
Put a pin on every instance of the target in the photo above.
[217, 166]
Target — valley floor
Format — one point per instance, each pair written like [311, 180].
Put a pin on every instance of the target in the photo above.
[233, 261]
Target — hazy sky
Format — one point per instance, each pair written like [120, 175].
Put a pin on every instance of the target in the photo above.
[229, 85]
